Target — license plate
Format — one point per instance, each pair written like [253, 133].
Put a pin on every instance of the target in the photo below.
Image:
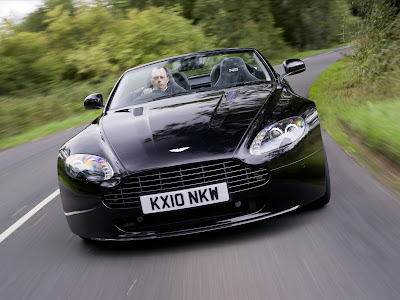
[187, 198]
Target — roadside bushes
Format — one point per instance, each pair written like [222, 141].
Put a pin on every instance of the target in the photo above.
[377, 49]
[92, 43]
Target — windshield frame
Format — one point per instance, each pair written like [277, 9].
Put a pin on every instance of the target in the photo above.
[271, 72]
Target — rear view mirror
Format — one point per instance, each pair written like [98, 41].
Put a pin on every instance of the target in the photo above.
[93, 101]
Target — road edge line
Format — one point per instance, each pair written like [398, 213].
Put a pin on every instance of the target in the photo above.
[28, 215]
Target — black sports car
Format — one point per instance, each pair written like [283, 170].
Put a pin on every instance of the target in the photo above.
[193, 143]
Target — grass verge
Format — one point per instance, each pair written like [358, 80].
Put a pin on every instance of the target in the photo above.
[49, 128]
[30, 114]
[363, 117]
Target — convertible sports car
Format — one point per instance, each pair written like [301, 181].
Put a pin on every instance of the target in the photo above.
[193, 143]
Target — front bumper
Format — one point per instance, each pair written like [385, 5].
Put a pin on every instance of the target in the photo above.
[145, 235]
[289, 188]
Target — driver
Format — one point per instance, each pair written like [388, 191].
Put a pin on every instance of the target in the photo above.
[159, 80]
[160, 83]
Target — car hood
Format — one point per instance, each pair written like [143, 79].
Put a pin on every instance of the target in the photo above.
[183, 129]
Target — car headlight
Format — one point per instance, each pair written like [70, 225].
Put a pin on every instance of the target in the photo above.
[278, 135]
[88, 167]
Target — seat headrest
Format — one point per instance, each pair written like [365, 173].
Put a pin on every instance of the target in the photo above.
[181, 79]
[214, 74]
[233, 70]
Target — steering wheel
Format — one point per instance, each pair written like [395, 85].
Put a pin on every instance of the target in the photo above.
[148, 97]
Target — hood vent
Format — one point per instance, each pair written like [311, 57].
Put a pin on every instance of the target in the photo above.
[222, 109]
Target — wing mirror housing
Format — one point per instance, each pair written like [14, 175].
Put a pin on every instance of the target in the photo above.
[93, 101]
[291, 66]
[294, 66]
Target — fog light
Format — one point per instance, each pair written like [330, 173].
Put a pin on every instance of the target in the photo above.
[238, 204]
[139, 219]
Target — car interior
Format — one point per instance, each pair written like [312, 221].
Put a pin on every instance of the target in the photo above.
[194, 74]
[234, 71]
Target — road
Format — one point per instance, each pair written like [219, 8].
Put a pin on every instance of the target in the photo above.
[349, 249]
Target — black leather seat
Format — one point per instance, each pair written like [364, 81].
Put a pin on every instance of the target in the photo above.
[215, 72]
[181, 79]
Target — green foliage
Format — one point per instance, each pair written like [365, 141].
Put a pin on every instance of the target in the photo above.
[20, 113]
[79, 40]
[45, 75]
[374, 124]
[36, 21]
[361, 115]
[126, 5]
[307, 24]
[32, 133]
[377, 50]
[358, 98]
[19, 54]
[67, 49]
[89, 42]
[312, 24]
[241, 23]
[152, 34]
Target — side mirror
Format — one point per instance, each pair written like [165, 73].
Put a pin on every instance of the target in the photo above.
[93, 101]
[294, 66]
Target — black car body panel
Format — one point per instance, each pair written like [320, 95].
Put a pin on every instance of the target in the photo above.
[216, 127]
[165, 125]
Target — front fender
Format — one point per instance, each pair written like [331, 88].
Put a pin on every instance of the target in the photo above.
[89, 141]
[288, 105]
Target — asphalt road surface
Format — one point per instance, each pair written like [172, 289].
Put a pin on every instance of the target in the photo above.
[349, 249]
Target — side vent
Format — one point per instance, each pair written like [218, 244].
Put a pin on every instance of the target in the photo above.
[138, 111]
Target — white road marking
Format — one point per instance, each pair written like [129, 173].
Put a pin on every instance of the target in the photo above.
[27, 216]
[131, 287]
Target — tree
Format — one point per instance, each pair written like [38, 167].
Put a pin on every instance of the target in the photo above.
[240, 23]
[312, 24]
[35, 21]
[125, 5]
[19, 54]
[144, 37]
[377, 48]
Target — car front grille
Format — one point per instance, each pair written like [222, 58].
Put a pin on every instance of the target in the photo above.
[238, 177]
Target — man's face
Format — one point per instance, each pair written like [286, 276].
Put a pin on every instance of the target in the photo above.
[159, 79]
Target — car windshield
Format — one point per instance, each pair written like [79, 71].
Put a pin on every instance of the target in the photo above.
[188, 74]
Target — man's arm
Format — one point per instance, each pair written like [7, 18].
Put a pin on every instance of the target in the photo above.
[147, 91]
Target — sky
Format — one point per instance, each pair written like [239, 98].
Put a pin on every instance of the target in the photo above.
[18, 8]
